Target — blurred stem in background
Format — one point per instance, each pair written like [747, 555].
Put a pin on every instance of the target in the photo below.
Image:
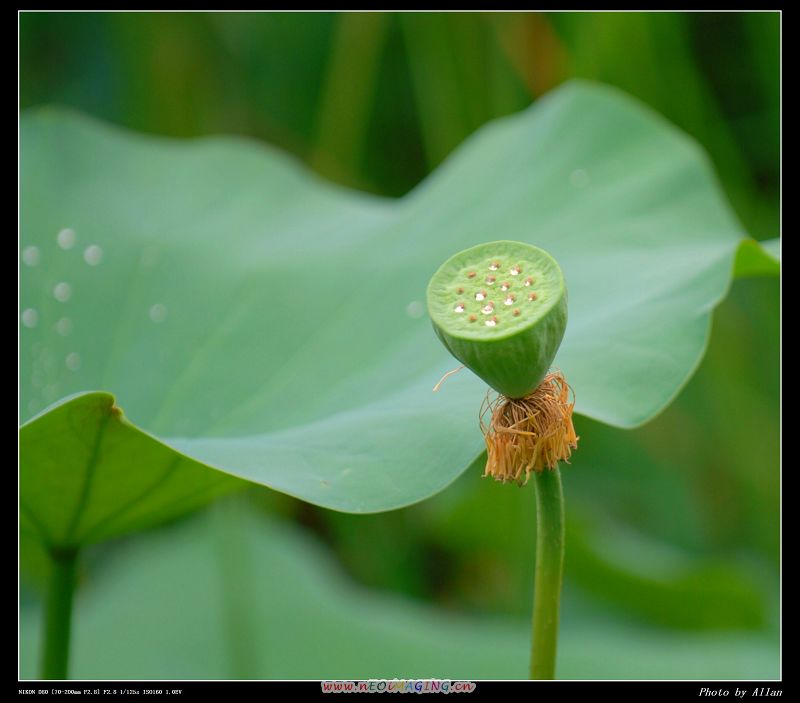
[667, 60]
[444, 108]
[378, 99]
[236, 587]
[347, 95]
[58, 614]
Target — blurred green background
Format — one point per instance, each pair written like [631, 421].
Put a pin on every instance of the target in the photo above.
[674, 528]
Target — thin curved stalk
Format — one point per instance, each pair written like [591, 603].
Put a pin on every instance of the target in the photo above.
[549, 572]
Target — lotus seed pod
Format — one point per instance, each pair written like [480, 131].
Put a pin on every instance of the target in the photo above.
[501, 309]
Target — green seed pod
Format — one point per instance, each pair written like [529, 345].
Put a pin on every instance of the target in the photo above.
[501, 309]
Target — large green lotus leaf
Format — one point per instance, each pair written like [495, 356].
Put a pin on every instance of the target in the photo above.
[128, 480]
[257, 320]
[242, 596]
[758, 258]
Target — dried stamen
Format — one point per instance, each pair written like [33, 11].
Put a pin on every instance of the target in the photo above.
[533, 433]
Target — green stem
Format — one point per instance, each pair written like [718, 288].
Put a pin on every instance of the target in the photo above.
[58, 613]
[549, 573]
